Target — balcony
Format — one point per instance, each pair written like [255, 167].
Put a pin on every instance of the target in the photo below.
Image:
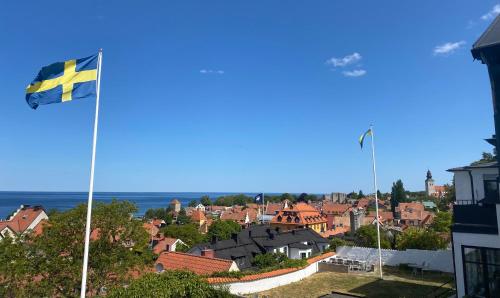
[476, 219]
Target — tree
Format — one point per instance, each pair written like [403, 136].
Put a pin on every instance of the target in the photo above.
[193, 203]
[205, 200]
[367, 236]
[336, 242]
[353, 195]
[55, 257]
[159, 213]
[361, 194]
[188, 233]
[416, 238]
[182, 217]
[486, 157]
[272, 261]
[223, 229]
[398, 194]
[169, 284]
[442, 222]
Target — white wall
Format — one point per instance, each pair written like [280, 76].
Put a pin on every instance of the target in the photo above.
[438, 260]
[470, 239]
[254, 286]
[295, 253]
[462, 183]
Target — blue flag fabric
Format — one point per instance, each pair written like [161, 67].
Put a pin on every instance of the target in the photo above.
[63, 81]
[258, 198]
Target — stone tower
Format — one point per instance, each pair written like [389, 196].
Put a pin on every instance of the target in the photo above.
[429, 184]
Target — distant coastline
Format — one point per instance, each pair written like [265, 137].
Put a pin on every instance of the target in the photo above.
[11, 200]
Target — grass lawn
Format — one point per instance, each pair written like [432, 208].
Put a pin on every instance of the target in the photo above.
[396, 283]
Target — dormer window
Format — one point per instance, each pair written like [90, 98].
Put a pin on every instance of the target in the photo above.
[279, 218]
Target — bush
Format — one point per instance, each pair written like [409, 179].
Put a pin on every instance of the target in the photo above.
[170, 284]
[336, 242]
[416, 238]
[273, 261]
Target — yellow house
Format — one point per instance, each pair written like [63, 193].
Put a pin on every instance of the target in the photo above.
[300, 216]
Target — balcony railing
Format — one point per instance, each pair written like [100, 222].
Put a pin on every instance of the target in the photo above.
[473, 218]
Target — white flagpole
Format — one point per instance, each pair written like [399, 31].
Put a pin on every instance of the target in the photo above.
[376, 201]
[91, 187]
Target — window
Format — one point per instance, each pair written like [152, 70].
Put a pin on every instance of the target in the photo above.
[490, 189]
[303, 255]
[481, 271]
[285, 250]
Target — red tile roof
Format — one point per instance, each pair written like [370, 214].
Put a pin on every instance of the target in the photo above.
[197, 264]
[22, 219]
[161, 246]
[198, 215]
[299, 214]
[335, 208]
[219, 280]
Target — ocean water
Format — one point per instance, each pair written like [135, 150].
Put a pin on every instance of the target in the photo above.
[11, 200]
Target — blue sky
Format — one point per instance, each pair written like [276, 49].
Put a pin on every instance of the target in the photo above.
[246, 95]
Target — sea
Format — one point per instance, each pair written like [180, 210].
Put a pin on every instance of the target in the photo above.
[11, 200]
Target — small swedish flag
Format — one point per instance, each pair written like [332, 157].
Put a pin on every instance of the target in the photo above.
[362, 137]
[63, 81]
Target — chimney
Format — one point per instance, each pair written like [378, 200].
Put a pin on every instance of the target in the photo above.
[207, 252]
[213, 240]
[250, 233]
[234, 236]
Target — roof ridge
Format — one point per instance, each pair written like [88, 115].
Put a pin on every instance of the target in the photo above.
[191, 255]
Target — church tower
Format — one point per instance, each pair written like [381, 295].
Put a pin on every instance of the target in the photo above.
[429, 184]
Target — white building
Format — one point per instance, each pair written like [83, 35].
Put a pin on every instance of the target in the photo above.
[476, 212]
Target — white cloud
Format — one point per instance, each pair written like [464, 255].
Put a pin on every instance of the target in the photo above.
[354, 73]
[341, 62]
[492, 13]
[211, 71]
[448, 48]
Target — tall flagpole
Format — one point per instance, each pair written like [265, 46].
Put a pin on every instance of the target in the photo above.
[91, 187]
[376, 201]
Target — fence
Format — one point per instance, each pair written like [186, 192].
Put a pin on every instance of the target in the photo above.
[437, 260]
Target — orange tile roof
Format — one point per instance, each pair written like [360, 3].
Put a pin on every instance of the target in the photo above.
[161, 246]
[339, 230]
[335, 208]
[22, 219]
[218, 280]
[150, 228]
[197, 264]
[198, 215]
[299, 214]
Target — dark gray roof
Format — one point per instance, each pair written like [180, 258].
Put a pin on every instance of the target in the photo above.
[300, 246]
[488, 40]
[259, 239]
[486, 165]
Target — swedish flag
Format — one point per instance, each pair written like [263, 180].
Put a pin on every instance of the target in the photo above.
[362, 137]
[63, 81]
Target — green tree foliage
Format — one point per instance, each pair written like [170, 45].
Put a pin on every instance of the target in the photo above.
[443, 203]
[336, 242]
[417, 238]
[159, 213]
[352, 195]
[222, 229]
[304, 197]
[188, 233]
[442, 222]
[56, 256]
[170, 284]
[205, 200]
[182, 217]
[280, 198]
[486, 157]
[273, 261]
[367, 236]
[230, 200]
[361, 194]
[193, 203]
[15, 268]
[398, 194]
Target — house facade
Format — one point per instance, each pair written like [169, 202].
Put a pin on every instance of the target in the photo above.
[23, 220]
[476, 211]
[260, 239]
[300, 216]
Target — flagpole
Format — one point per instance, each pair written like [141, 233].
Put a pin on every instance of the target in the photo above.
[376, 201]
[91, 186]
